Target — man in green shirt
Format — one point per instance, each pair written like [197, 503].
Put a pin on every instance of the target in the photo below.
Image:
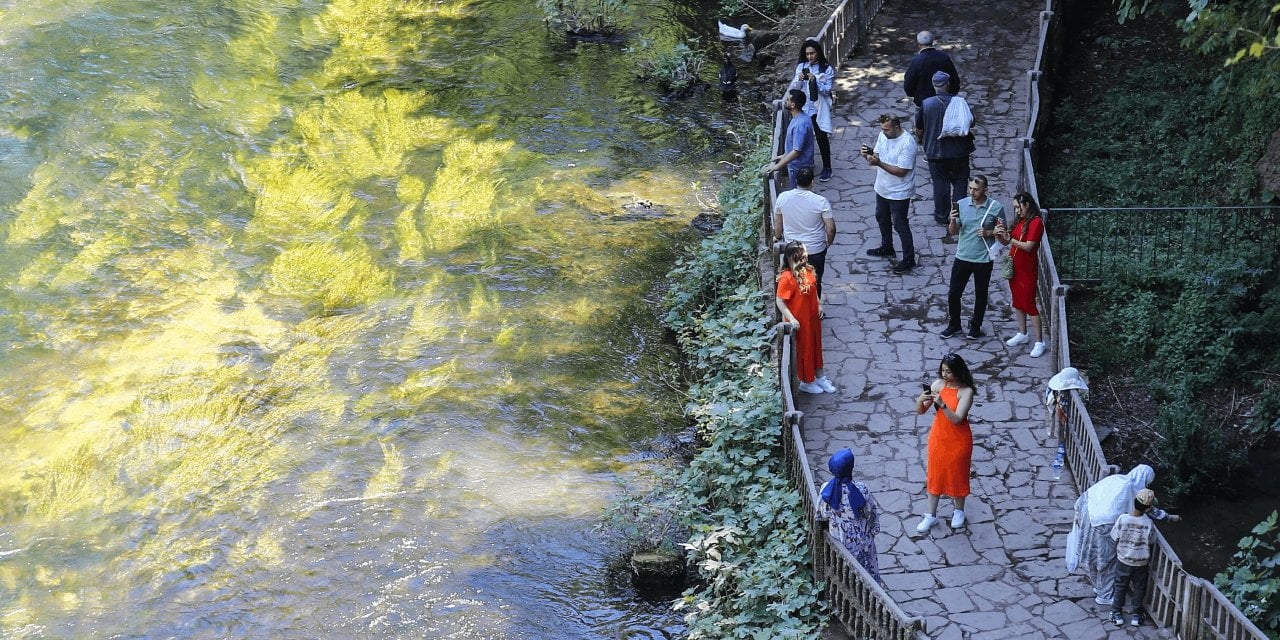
[974, 221]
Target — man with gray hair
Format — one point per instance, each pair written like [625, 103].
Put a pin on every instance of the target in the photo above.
[918, 83]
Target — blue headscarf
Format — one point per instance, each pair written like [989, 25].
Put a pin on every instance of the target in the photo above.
[841, 466]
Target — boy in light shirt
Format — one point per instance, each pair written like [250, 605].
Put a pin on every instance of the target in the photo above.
[1134, 533]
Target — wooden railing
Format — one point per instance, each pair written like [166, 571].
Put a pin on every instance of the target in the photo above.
[1191, 606]
[853, 595]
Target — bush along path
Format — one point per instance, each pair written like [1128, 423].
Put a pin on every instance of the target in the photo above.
[1002, 576]
[748, 540]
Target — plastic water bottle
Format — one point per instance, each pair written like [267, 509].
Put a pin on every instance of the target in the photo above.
[1058, 460]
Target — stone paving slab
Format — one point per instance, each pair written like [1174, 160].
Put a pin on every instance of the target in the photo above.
[1002, 577]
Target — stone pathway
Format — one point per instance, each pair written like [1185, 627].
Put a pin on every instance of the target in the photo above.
[1003, 577]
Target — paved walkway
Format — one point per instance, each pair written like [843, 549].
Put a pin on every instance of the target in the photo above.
[1002, 577]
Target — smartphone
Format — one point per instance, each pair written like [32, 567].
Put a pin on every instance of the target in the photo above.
[927, 387]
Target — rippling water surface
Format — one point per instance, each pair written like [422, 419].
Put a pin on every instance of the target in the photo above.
[329, 319]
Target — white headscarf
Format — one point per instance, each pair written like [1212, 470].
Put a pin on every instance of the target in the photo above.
[1112, 496]
[1103, 503]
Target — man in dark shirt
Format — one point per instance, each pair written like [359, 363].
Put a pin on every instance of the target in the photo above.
[948, 156]
[918, 83]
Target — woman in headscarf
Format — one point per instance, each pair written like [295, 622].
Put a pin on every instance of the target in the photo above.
[853, 512]
[1090, 545]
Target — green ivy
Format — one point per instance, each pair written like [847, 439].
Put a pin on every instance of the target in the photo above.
[1252, 581]
[749, 537]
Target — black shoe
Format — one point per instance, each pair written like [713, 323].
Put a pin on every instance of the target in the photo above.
[976, 332]
[950, 331]
[880, 252]
[904, 267]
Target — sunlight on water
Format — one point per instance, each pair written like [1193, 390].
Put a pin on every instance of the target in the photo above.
[328, 319]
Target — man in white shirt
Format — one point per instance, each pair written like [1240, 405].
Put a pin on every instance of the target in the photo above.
[800, 214]
[894, 158]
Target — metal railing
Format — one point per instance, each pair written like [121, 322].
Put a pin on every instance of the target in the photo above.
[1095, 242]
[1189, 605]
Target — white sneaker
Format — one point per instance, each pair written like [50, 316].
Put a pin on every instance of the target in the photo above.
[957, 519]
[1017, 339]
[825, 384]
[810, 387]
[926, 523]
[1038, 350]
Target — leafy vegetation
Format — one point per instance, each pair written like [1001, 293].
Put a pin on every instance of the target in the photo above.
[1244, 35]
[1252, 581]
[1204, 322]
[748, 531]
[675, 68]
[585, 17]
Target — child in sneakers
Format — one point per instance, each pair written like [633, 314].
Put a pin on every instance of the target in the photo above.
[1134, 532]
[797, 300]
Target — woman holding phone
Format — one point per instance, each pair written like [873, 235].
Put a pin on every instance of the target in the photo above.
[950, 439]
[815, 77]
[1023, 241]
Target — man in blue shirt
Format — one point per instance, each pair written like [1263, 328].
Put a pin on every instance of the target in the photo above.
[800, 140]
[918, 81]
[974, 221]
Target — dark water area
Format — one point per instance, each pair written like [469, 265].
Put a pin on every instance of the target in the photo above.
[334, 319]
[1212, 525]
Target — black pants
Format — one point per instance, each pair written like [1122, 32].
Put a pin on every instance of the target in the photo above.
[1130, 576]
[891, 215]
[961, 271]
[824, 143]
[950, 178]
[819, 262]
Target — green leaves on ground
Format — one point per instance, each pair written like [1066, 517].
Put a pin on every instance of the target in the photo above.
[1252, 581]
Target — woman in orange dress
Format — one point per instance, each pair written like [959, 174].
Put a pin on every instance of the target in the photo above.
[797, 300]
[950, 440]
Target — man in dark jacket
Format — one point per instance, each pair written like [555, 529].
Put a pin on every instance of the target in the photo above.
[927, 62]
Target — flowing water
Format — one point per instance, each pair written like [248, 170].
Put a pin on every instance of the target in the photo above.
[329, 319]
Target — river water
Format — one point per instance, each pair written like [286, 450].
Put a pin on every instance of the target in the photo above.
[330, 319]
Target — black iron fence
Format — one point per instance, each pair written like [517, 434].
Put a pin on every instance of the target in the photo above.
[1090, 244]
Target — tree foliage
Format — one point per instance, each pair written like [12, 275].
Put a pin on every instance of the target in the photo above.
[1243, 34]
[1252, 581]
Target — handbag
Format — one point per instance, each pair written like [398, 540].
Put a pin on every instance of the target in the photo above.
[957, 119]
[1006, 265]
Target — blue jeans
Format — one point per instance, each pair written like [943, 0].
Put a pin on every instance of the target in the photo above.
[950, 178]
[892, 215]
[961, 271]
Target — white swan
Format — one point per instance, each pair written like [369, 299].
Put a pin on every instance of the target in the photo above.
[729, 33]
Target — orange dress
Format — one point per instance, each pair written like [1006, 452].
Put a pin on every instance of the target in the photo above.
[950, 452]
[804, 306]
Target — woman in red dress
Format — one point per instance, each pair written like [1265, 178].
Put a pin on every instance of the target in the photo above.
[797, 300]
[1024, 244]
[950, 439]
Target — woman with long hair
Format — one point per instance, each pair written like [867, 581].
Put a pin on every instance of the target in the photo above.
[1024, 245]
[797, 301]
[815, 77]
[853, 512]
[950, 439]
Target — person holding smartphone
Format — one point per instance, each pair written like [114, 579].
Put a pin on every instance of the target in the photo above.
[974, 221]
[950, 453]
[815, 77]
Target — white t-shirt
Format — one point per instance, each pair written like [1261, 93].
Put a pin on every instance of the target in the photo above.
[802, 215]
[899, 152]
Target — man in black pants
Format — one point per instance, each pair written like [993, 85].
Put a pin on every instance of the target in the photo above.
[948, 156]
